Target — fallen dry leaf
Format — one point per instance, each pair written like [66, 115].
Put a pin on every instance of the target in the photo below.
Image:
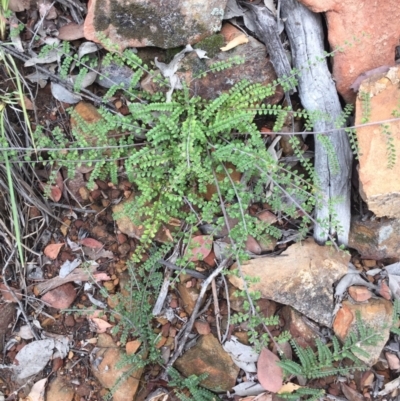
[33, 358]
[269, 373]
[99, 325]
[350, 394]
[37, 391]
[239, 40]
[289, 388]
[91, 243]
[52, 250]
[71, 31]
[94, 254]
[77, 275]
[67, 267]
[55, 193]
[242, 355]
[252, 245]
[27, 103]
[248, 389]
[132, 346]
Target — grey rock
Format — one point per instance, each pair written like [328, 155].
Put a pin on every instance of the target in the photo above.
[138, 23]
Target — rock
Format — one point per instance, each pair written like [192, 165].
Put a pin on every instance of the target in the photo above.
[373, 33]
[300, 331]
[375, 239]
[359, 293]
[202, 327]
[257, 68]
[379, 168]
[71, 31]
[114, 74]
[375, 314]
[208, 356]
[267, 308]
[301, 277]
[267, 242]
[393, 361]
[135, 23]
[128, 227]
[60, 390]
[89, 115]
[61, 297]
[108, 356]
[189, 297]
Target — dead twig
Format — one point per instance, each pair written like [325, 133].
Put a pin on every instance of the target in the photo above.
[216, 308]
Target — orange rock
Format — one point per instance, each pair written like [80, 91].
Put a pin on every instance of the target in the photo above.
[379, 183]
[371, 28]
[202, 327]
[359, 293]
[375, 314]
[302, 276]
[369, 263]
[384, 291]
[132, 346]
[208, 356]
[109, 372]
[61, 297]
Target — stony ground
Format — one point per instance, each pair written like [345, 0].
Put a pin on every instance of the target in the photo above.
[56, 323]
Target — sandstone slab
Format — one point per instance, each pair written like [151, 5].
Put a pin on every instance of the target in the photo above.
[372, 29]
[376, 239]
[109, 356]
[139, 23]
[60, 389]
[379, 100]
[375, 314]
[208, 356]
[301, 277]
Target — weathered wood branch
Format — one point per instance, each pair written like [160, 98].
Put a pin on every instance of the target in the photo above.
[267, 31]
[318, 95]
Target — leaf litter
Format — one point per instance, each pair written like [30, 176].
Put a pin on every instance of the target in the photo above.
[89, 249]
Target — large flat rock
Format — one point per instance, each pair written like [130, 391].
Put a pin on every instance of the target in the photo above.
[208, 356]
[165, 24]
[380, 167]
[301, 277]
[372, 29]
[375, 239]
